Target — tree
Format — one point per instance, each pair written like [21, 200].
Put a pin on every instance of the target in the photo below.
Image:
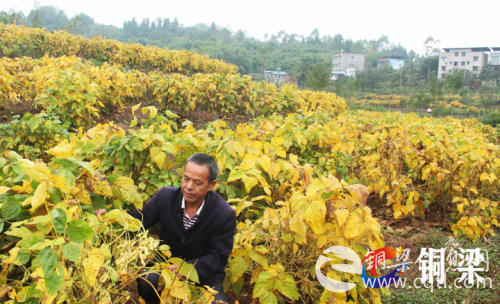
[454, 80]
[429, 64]
[431, 47]
[487, 95]
[319, 77]
[345, 87]
[36, 18]
[11, 17]
[433, 87]
[488, 73]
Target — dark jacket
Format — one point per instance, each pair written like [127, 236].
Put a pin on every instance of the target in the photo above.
[210, 239]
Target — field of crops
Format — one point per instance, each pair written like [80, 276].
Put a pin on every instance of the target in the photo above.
[298, 175]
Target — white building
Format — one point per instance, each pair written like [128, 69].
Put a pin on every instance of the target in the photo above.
[347, 64]
[471, 59]
[277, 77]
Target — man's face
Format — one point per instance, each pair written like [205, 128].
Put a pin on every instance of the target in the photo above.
[195, 184]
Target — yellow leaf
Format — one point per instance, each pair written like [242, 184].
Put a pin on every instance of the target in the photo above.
[297, 224]
[39, 196]
[98, 184]
[280, 152]
[460, 208]
[239, 148]
[249, 182]
[353, 225]
[265, 162]
[274, 170]
[293, 159]
[341, 215]
[5, 189]
[80, 193]
[92, 264]
[277, 141]
[247, 165]
[64, 149]
[484, 177]
[218, 134]
[160, 159]
[24, 189]
[315, 216]
[29, 169]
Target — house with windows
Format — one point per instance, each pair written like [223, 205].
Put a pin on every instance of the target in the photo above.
[471, 59]
[279, 77]
[494, 60]
[396, 62]
[347, 64]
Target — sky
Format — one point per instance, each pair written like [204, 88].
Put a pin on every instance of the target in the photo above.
[409, 23]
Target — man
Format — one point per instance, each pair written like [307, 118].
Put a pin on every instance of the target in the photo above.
[197, 224]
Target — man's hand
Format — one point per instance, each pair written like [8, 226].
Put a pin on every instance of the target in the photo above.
[173, 268]
[98, 212]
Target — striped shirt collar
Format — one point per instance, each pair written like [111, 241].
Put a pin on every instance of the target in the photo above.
[183, 207]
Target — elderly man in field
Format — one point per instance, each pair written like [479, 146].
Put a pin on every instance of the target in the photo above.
[197, 224]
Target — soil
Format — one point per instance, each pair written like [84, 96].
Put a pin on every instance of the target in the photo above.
[11, 108]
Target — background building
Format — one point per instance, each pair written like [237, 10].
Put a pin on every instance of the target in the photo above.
[278, 77]
[494, 59]
[396, 62]
[348, 64]
[471, 59]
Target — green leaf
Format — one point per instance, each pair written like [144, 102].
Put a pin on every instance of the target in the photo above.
[237, 286]
[72, 251]
[237, 267]
[50, 263]
[59, 220]
[125, 190]
[235, 174]
[86, 165]
[268, 298]
[79, 231]
[23, 256]
[327, 195]
[10, 208]
[2, 221]
[171, 114]
[258, 258]
[286, 286]
[264, 284]
[185, 269]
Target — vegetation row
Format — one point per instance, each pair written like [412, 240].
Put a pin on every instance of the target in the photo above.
[17, 41]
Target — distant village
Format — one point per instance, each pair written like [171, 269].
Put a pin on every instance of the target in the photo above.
[472, 59]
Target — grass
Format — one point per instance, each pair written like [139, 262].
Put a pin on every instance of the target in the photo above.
[436, 238]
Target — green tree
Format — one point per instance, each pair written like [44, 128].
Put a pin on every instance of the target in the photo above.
[319, 77]
[36, 16]
[489, 73]
[11, 17]
[488, 95]
[454, 81]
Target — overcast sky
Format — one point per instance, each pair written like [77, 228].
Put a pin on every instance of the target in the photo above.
[455, 23]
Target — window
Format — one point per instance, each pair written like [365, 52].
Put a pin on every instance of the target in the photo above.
[476, 58]
[462, 63]
[494, 58]
[456, 54]
[455, 63]
[463, 54]
[443, 68]
[444, 58]
[474, 68]
[468, 62]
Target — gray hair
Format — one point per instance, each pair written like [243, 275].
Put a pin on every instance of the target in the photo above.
[207, 160]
